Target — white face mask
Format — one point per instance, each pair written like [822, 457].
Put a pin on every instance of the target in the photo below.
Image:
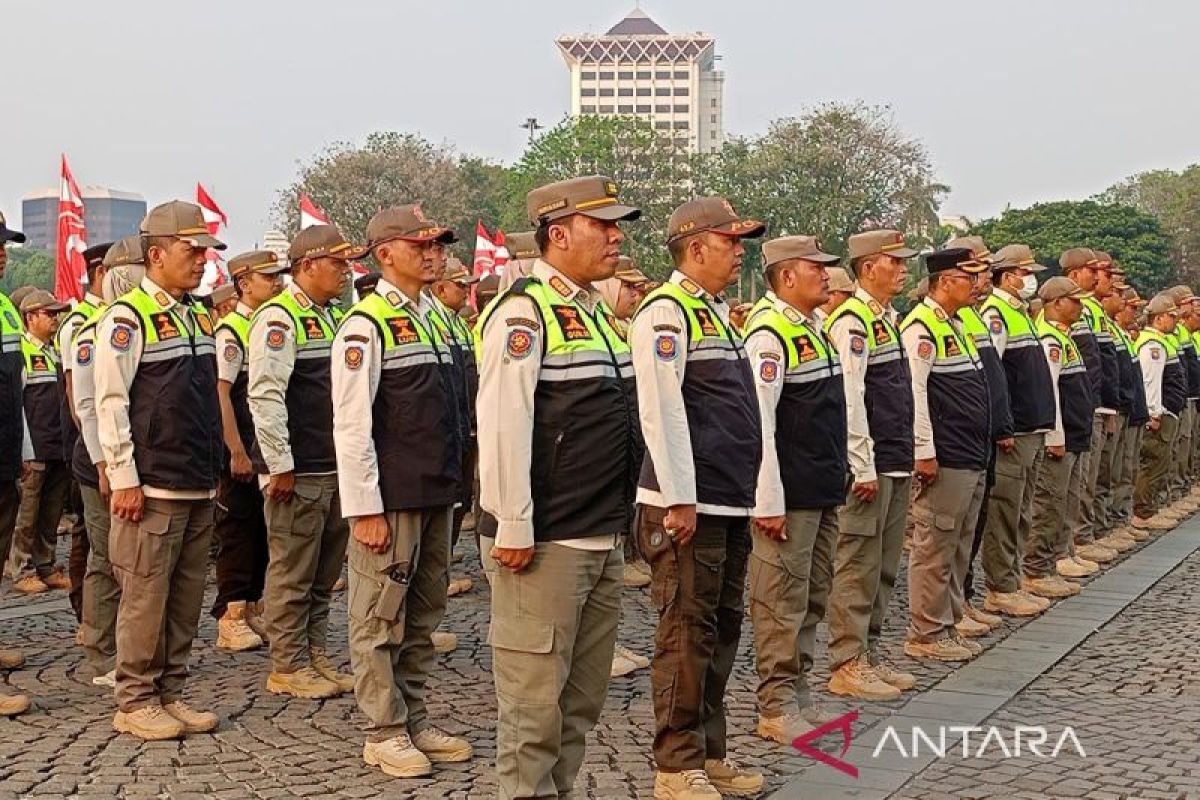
[1029, 287]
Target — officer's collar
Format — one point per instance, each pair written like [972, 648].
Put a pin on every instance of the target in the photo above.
[873, 304]
[245, 310]
[35, 341]
[566, 288]
[396, 298]
[159, 295]
[1009, 298]
[789, 311]
[693, 287]
[938, 311]
[94, 300]
[303, 300]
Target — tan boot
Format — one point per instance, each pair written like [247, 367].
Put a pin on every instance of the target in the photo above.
[306, 683]
[1090, 566]
[1011, 604]
[981, 616]
[57, 580]
[444, 641]
[894, 677]
[621, 666]
[1069, 568]
[233, 631]
[730, 779]
[634, 578]
[1122, 544]
[639, 661]
[150, 723]
[784, 728]
[30, 584]
[442, 748]
[975, 647]
[969, 628]
[691, 784]
[1041, 602]
[397, 757]
[459, 586]
[945, 649]
[321, 663]
[1137, 534]
[11, 659]
[257, 620]
[193, 721]
[1096, 552]
[13, 704]
[855, 678]
[1048, 586]
[1155, 523]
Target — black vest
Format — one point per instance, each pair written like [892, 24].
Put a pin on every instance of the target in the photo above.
[1027, 375]
[43, 403]
[12, 365]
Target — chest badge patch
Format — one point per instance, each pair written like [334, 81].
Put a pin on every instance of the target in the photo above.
[879, 330]
[312, 328]
[707, 326]
[805, 350]
[205, 323]
[402, 329]
[571, 323]
[951, 345]
[666, 347]
[39, 363]
[164, 325]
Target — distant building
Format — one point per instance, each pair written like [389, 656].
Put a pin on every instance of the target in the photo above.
[958, 223]
[277, 243]
[110, 214]
[638, 69]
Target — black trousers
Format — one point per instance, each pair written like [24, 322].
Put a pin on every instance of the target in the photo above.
[241, 534]
[980, 524]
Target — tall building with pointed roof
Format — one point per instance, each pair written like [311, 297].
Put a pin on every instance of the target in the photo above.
[638, 69]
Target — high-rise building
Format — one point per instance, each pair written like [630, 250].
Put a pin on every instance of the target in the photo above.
[638, 69]
[109, 214]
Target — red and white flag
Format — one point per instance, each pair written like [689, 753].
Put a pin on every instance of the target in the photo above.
[502, 255]
[485, 252]
[311, 213]
[70, 267]
[215, 273]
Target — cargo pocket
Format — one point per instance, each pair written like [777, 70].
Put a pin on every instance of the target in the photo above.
[525, 635]
[659, 551]
[139, 548]
[857, 519]
[944, 524]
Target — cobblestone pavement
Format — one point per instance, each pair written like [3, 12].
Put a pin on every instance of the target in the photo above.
[272, 747]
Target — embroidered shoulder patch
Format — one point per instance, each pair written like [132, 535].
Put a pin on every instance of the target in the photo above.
[1155, 353]
[858, 345]
[940, 314]
[354, 357]
[275, 323]
[996, 325]
[83, 354]
[925, 350]
[513, 322]
[232, 351]
[393, 298]
[402, 329]
[666, 348]
[519, 343]
[560, 286]
[122, 336]
[357, 337]
[768, 371]
[1054, 353]
[690, 286]
[275, 338]
[571, 323]
[875, 307]
[792, 315]
[667, 328]
[162, 299]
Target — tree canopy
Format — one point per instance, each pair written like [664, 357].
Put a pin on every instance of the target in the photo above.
[1173, 198]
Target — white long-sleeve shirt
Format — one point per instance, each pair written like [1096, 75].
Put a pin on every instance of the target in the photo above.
[661, 407]
[1153, 358]
[920, 364]
[1054, 357]
[860, 445]
[83, 390]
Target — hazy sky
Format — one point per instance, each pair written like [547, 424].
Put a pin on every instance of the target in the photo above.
[1018, 101]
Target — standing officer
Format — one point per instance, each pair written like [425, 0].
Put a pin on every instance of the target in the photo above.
[1139, 415]
[699, 415]
[879, 406]
[801, 481]
[1166, 397]
[159, 428]
[1185, 301]
[101, 592]
[241, 528]
[556, 460]
[952, 435]
[15, 447]
[975, 622]
[447, 296]
[84, 310]
[1047, 549]
[841, 287]
[44, 490]
[1020, 450]
[398, 435]
[1095, 345]
[288, 389]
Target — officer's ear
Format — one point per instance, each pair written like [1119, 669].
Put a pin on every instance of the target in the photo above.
[559, 233]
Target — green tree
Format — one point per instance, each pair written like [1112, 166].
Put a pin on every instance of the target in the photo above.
[1134, 238]
[28, 267]
[1174, 199]
[352, 182]
[650, 166]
